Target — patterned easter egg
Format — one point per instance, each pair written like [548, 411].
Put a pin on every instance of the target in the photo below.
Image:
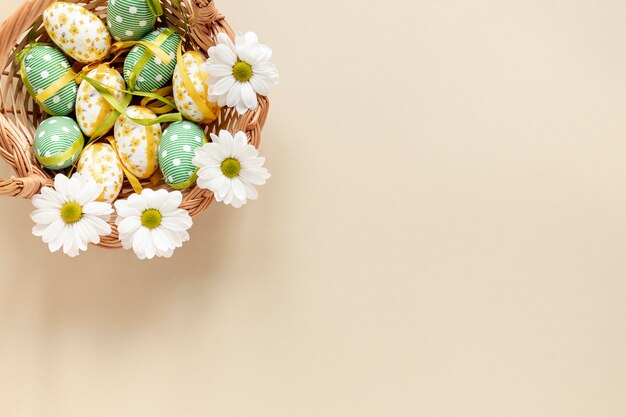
[137, 145]
[58, 142]
[47, 75]
[154, 74]
[129, 20]
[190, 89]
[99, 163]
[176, 150]
[93, 112]
[77, 31]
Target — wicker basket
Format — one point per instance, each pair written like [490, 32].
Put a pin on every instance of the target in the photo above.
[197, 21]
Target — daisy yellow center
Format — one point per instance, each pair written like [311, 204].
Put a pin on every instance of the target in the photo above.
[242, 71]
[231, 167]
[71, 212]
[151, 218]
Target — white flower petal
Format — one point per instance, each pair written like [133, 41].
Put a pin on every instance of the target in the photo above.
[45, 216]
[98, 208]
[223, 85]
[248, 96]
[224, 55]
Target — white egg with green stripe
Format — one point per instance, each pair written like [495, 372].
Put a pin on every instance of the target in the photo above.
[176, 151]
[129, 20]
[49, 79]
[148, 69]
[58, 142]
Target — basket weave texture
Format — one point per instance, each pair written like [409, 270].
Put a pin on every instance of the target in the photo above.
[197, 21]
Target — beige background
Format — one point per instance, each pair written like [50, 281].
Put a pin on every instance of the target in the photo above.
[444, 235]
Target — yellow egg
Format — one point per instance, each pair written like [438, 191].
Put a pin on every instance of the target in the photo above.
[190, 96]
[77, 31]
[99, 163]
[93, 113]
[137, 145]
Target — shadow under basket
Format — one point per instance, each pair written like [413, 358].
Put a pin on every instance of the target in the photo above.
[197, 21]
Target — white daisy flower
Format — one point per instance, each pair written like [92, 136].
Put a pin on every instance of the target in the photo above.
[240, 71]
[152, 223]
[69, 216]
[230, 167]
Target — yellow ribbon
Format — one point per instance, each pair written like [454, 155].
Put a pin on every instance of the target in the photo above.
[55, 87]
[209, 111]
[58, 159]
[158, 95]
[132, 179]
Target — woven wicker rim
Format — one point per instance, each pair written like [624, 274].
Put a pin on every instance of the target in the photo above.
[20, 115]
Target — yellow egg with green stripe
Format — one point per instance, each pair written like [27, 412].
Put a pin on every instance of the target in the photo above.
[191, 89]
[99, 163]
[58, 142]
[137, 145]
[151, 62]
[176, 151]
[94, 114]
[48, 78]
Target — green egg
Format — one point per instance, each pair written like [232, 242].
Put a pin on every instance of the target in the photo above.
[176, 151]
[129, 20]
[41, 67]
[154, 73]
[56, 136]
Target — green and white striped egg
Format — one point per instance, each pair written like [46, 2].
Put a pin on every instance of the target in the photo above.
[98, 163]
[129, 20]
[155, 73]
[55, 136]
[77, 31]
[93, 112]
[42, 66]
[137, 145]
[176, 150]
[190, 63]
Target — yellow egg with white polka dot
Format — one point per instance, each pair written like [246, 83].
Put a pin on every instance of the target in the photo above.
[191, 90]
[99, 163]
[137, 145]
[77, 31]
[93, 113]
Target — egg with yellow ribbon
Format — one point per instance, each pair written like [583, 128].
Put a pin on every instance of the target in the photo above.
[99, 163]
[151, 61]
[191, 89]
[77, 31]
[48, 78]
[137, 145]
[94, 114]
[58, 142]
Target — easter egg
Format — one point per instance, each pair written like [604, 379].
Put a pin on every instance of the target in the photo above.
[144, 71]
[129, 20]
[99, 163]
[58, 142]
[47, 75]
[176, 150]
[190, 89]
[77, 31]
[93, 113]
[137, 145]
